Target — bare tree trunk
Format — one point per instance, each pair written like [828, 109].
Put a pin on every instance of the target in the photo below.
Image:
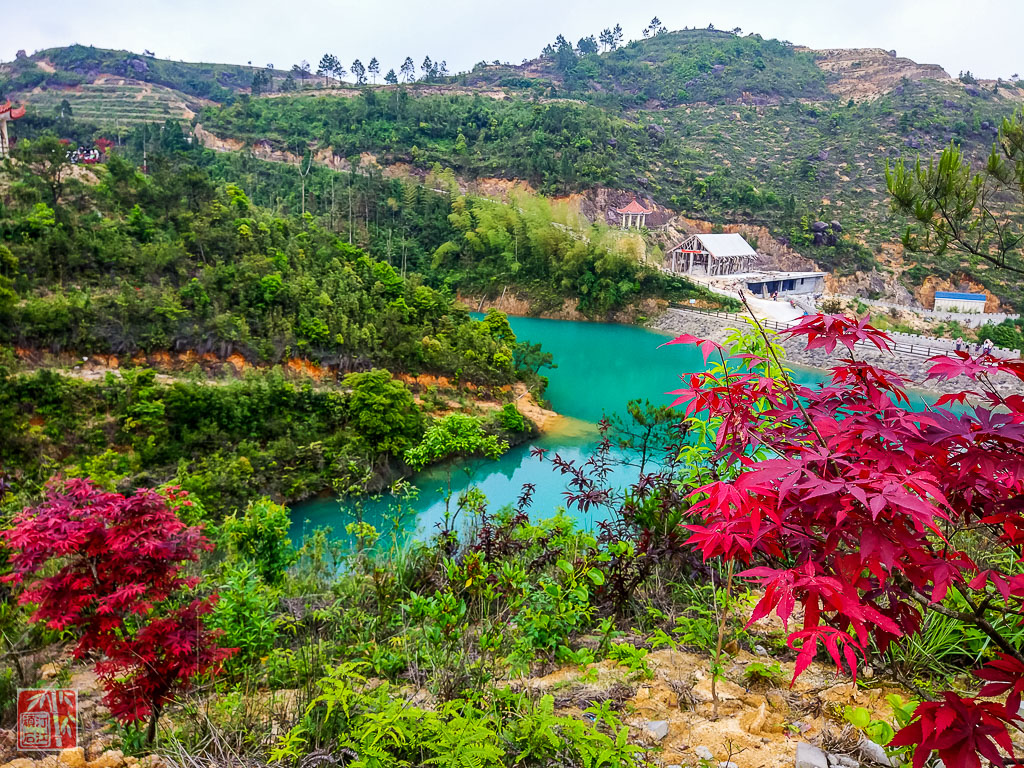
[718, 646]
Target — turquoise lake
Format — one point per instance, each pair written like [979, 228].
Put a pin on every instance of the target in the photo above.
[600, 368]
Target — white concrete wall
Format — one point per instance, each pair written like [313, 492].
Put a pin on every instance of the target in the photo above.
[959, 305]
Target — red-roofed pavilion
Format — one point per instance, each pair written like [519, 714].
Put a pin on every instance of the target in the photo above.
[634, 215]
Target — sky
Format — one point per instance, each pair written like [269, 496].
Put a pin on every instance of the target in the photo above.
[982, 36]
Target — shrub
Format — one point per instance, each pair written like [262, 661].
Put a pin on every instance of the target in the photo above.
[111, 567]
[864, 512]
[261, 537]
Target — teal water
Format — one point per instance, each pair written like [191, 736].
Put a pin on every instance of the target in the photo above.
[600, 368]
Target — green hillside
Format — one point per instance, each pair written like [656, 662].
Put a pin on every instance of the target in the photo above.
[710, 124]
[112, 103]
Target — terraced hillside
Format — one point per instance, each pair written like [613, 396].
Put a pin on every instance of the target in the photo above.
[112, 101]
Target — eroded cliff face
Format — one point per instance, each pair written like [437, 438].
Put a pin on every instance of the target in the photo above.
[883, 286]
[863, 74]
[925, 293]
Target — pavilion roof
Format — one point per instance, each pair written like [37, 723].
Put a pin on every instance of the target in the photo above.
[634, 207]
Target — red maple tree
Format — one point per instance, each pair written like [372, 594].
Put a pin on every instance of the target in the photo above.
[864, 515]
[114, 572]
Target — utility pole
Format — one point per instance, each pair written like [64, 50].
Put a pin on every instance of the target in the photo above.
[303, 177]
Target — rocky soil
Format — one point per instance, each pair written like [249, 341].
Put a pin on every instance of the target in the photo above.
[867, 73]
[760, 724]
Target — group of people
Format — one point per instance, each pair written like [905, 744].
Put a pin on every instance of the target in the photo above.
[85, 155]
[983, 348]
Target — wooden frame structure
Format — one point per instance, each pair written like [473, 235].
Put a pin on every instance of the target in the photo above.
[712, 255]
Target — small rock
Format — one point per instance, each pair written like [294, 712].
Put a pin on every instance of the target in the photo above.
[809, 756]
[72, 758]
[112, 758]
[842, 761]
[727, 764]
[49, 671]
[867, 672]
[98, 745]
[756, 722]
[760, 650]
[703, 753]
[874, 752]
[656, 729]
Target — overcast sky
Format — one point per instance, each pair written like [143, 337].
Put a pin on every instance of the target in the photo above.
[980, 35]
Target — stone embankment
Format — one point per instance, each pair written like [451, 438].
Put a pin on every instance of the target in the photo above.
[912, 368]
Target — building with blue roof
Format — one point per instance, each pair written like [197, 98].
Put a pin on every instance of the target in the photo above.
[954, 301]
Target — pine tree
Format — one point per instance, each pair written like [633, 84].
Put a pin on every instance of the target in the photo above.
[587, 45]
[391, 78]
[408, 69]
[374, 69]
[328, 66]
[359, 72]
[617, 36]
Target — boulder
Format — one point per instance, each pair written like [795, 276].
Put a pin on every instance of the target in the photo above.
[703, 753]
[835, 226]
[819, 226]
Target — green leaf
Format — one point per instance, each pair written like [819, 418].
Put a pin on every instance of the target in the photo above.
[859, 717]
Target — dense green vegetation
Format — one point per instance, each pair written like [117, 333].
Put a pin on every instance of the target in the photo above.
[783, 165]
[672, 68]
[226, 440]
[714, 124]
[559, 146]
[171, 261]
